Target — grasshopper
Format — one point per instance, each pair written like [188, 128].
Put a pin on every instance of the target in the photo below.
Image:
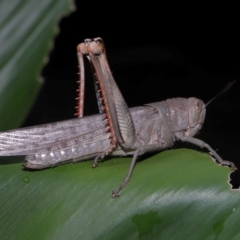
[116, 131]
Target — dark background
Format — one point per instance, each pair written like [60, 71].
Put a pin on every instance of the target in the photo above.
[155, 53]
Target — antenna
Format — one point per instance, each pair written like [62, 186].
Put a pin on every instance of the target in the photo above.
[223, 91]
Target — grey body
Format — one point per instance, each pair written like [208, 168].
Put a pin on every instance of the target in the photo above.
[84, 138]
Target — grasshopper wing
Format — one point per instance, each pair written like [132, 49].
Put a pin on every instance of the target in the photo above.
[52, 136]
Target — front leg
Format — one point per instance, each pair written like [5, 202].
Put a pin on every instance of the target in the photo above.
[202, 144]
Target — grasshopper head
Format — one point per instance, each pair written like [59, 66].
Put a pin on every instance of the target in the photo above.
[197, 111]
[196, 115]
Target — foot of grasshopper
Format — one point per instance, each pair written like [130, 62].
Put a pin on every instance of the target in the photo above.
[115, 193]
[95, 162]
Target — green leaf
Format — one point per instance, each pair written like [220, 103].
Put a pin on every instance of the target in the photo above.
[26, 31]
[177, 194]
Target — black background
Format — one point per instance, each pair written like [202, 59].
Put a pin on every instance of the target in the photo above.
[155, 53]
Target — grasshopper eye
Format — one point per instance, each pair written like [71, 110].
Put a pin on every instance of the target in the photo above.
[198, 106]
